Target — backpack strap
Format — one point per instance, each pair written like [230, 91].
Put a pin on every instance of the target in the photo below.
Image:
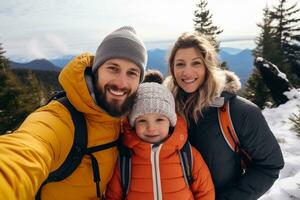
[96, 173]
[227, 128]
[125, 168]
[57, 95]
[230, 135]
[186, 160]
[79, 144]
[77, 150]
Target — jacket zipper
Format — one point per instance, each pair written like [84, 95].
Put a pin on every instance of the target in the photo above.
[156, 172]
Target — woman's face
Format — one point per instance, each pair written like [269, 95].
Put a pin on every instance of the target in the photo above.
[189, 69]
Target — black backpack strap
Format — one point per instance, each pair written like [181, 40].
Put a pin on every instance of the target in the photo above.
[102, 147]
[78, 148]
[186, 159]
[96, 173]
[125, 168]
[58, 95]
[79, 144]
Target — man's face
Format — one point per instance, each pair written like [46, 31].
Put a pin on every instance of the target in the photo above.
[117, 82]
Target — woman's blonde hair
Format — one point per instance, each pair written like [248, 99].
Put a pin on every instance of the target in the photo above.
[193, 103]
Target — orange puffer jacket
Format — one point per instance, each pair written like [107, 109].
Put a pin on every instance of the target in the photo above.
[156, 171]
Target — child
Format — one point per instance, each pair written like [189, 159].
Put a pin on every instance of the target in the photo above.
[155, 141]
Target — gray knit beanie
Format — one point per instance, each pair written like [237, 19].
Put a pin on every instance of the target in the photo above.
[122, 43]
[153, 98]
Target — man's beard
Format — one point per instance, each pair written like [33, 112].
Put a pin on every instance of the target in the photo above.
[114, 108]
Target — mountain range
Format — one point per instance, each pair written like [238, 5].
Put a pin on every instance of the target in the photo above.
[240, 63]
[238, 60]
[39, 64]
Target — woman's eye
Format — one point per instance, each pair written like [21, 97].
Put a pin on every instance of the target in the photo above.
[197, 63]
[179, 65]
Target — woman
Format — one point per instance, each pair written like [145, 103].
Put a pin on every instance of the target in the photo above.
[200, 88]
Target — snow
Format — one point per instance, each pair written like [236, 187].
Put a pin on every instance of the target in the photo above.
[259, 59]
[267, 65]
[282, 75]
[288, 184]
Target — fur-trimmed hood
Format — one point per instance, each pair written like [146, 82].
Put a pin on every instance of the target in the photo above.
[232, 82]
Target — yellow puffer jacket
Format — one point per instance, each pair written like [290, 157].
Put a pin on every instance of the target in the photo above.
[43, 141]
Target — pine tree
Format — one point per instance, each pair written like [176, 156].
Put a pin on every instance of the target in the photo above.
[3, 60]
[255, 89]
[11, 93]
[203, 22]
[36, 96]
[266, 41]
[288, 39]
[295, 118]
[204, 25]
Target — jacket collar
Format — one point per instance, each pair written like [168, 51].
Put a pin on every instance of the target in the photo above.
[231, 86]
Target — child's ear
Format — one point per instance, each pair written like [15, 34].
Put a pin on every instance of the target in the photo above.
[171, 130]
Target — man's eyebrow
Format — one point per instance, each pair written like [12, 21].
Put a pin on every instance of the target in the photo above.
[112, 63]
[135, 69]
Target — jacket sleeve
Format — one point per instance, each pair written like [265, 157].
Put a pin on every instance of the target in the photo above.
[31, 152]
[259, 142]
[202, 186]
[114, 188]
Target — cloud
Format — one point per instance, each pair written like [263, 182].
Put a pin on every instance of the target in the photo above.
[57, 43]
[47, 46]
[38, 46]
[35, 49]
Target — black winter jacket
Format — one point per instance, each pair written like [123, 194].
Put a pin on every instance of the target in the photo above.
[255, 137]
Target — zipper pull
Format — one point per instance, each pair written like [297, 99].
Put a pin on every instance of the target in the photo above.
[155, 147]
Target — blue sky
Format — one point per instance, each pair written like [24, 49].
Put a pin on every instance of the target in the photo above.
[46, 29]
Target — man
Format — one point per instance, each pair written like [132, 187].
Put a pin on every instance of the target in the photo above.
[102, 88]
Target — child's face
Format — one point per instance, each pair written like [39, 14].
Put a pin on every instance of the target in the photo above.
[152, 127]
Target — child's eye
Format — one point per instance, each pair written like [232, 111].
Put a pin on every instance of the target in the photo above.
[160, 119]
[141, 121]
